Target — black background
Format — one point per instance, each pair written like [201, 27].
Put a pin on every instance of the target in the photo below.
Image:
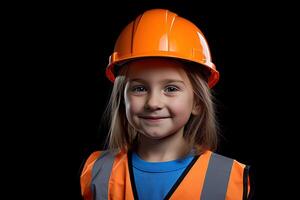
[61, 90]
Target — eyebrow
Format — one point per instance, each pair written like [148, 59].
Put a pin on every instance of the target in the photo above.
[163, 81]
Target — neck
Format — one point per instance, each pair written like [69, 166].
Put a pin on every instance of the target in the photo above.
[160, 150]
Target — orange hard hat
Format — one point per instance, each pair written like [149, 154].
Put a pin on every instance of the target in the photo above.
[161, 33]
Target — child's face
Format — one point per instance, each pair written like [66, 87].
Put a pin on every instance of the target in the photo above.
[158, 97]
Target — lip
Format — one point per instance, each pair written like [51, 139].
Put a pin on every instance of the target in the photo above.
[153, 120]
[153, 117]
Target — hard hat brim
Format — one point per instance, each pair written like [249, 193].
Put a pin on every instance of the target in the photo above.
[207, 67]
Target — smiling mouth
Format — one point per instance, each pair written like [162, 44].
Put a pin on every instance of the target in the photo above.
[153, 118]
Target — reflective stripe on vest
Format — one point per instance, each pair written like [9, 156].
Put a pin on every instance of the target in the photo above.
[217, 177]
[101, 173]
[215, 183]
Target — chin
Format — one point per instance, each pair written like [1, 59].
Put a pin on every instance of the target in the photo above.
[156, 136]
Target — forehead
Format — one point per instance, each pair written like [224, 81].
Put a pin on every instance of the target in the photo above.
[156, 69]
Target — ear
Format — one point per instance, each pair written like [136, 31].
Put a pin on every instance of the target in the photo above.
[196, 108]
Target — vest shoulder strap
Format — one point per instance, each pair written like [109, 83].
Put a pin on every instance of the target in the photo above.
[86, 175]
[97, 169]
[217, 177]
[101, 173]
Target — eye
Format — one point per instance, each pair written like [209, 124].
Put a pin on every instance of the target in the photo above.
[138, 89]
[171, 88]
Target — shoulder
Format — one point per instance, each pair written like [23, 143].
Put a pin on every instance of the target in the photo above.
[235, 165]
[238, 185]
[96, 162]
[86, 174]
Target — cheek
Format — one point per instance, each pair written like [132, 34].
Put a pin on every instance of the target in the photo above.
[133, 105]
[182, 107]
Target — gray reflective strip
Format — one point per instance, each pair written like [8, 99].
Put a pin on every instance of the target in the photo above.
[217, 177]
[101, 174]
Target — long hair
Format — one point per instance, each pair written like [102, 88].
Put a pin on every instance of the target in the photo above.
[201, 131]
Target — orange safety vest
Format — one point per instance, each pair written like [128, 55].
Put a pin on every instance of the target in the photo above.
[210, 176]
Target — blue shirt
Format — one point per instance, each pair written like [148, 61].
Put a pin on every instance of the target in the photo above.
[154, 180]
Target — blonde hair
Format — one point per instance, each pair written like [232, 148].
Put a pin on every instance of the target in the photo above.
[200, 131]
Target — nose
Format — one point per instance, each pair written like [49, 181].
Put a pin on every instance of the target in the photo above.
[154, 101]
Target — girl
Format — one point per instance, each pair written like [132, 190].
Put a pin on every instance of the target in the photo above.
[162, 120]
